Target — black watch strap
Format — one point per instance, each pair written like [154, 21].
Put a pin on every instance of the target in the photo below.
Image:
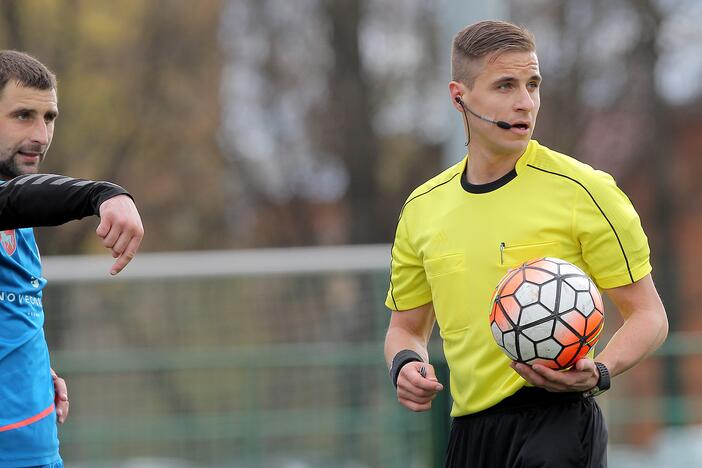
[603, 382]
[403, 357]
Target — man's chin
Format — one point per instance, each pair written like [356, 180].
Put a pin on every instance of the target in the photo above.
[31, 168]
[16, 171]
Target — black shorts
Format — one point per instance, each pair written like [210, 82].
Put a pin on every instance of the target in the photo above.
[532, 428]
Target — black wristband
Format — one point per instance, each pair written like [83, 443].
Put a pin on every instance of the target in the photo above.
[403, 357]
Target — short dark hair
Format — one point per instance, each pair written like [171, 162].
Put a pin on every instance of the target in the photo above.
[25, 70]
[481, 39]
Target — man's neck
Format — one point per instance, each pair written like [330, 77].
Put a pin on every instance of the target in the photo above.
[485, 166]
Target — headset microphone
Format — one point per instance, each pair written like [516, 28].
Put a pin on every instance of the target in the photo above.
[500, 123]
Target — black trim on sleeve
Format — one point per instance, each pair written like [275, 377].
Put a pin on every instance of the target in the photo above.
[424, 193]
[392, 287]
[626, 259]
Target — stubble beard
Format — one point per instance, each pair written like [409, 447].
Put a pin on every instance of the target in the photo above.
[9, 169]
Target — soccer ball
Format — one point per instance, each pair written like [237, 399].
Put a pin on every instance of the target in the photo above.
[547, 311]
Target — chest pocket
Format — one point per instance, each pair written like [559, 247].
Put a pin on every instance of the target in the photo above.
[444, 265]
[513, 256]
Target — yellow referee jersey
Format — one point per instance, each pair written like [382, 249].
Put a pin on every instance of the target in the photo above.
[454, 242]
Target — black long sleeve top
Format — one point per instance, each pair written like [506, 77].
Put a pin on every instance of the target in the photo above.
[49, 200]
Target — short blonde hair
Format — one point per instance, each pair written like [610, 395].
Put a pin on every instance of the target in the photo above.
[484, 38]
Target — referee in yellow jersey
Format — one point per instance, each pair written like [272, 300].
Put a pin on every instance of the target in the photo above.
[511, 200]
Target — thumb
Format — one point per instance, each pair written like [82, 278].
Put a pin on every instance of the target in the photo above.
[431, 375]
[583, 364]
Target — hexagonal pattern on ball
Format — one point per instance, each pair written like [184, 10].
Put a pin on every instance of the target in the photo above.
[527, 293]
[546, 311]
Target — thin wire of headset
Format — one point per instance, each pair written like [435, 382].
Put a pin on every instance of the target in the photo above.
[465, 119]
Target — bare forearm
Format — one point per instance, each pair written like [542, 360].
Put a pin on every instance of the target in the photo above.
[639, 336]
[409, 329]
[398, 339]
[416, 383]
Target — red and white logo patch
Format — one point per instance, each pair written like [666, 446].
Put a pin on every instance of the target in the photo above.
[8, 241]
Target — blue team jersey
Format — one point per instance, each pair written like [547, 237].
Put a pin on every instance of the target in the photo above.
[28, 433]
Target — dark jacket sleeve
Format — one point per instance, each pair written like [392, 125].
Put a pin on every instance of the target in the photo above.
[49, 200]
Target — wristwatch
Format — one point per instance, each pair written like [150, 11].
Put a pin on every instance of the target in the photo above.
[603, 382]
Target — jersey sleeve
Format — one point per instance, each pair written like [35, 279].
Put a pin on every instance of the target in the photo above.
[49, 200]
[408, 282]
[613, 242]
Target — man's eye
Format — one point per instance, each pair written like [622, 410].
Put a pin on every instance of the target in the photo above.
[505, 86]
[23, 116]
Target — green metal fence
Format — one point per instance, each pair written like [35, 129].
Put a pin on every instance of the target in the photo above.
[338, 407]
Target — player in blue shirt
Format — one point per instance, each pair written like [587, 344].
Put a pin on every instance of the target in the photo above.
[28, 401]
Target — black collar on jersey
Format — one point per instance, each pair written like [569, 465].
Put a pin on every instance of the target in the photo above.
[490, 186]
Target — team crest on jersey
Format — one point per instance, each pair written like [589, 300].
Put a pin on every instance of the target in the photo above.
[8, 241]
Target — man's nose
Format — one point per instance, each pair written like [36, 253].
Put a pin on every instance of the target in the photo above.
[525, 101]
[41, 133]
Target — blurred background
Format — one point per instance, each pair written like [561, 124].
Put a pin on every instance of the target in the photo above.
[270, 145]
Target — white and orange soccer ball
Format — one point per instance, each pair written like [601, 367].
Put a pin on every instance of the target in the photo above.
[547, 311]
